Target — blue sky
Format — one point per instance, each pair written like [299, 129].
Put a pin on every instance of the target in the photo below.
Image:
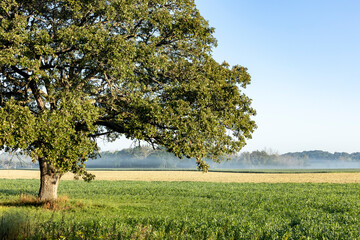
[304, 59]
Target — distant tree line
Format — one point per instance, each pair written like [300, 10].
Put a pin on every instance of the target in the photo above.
[294, 159]
[147, 157]
[322, 155]
[12, 161]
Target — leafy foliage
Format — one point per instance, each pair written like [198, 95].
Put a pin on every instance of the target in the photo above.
[50, 134]
[72, 71]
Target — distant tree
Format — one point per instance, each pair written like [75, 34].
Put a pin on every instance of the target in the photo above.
[263, 158]
[296, 155]
[355, 156]
[319, 155]
[141, 152]
[72, 71]
[342, 156]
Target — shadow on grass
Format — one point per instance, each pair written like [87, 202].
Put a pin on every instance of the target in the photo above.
[62, 203]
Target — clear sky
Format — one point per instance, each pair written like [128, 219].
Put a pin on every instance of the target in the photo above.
[304, 59]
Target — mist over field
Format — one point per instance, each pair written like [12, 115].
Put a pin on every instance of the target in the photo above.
[330, 164]
[148, 158]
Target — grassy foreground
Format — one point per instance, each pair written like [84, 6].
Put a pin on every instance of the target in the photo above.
[181, 210]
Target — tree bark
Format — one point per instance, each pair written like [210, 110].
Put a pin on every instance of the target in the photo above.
[49, 181]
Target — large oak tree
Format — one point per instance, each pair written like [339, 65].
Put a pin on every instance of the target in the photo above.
[74, 70]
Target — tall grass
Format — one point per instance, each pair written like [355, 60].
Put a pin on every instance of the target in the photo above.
[15, 225]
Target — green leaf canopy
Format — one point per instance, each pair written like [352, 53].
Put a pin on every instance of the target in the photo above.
[71, 71]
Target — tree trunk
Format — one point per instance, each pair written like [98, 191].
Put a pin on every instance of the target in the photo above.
[49, 181]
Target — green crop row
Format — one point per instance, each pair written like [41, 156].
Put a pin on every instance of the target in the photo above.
[182, 210]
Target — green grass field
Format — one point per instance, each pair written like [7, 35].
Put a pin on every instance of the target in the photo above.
[182, 210]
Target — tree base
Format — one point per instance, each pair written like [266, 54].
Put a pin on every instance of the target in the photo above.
[49, 182]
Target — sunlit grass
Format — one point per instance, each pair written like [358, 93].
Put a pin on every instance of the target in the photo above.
[186, 210]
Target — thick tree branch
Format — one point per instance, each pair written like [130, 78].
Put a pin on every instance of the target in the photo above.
[111, 125]
[36, 92]
[95, 135]
[20, 72]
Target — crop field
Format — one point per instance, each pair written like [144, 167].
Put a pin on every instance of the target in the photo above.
[182, 209]
[223, 177]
